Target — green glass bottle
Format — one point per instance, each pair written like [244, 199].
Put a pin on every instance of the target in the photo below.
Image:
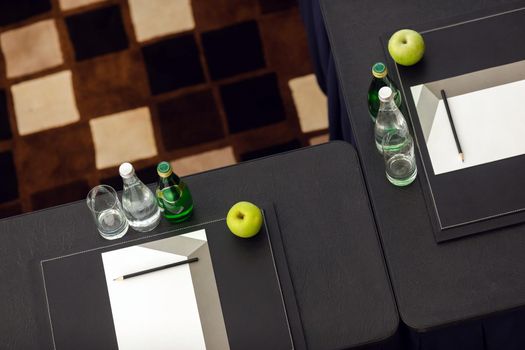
[173, 195]
[380, 73]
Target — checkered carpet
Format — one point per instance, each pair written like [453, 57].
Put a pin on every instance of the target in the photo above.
[88, 84]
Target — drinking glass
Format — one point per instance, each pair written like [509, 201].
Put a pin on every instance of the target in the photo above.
[400, 162]
[107, 211]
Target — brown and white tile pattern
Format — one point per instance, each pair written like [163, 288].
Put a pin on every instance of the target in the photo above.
[71, 4]
[204, 161]
[123, 137]
[310, 103]
[154, 18]
[31, 48]
[44, 103]
[88, 84]
[317, 140]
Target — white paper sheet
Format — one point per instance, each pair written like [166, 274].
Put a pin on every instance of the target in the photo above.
[490, 124]
[159, 310]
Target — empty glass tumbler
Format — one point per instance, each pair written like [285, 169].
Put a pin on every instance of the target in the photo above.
[400, 162]
[107, 211]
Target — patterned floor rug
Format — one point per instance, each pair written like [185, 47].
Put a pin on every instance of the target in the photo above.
[88, 84]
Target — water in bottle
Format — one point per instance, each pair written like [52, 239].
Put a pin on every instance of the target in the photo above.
[138, 202]
[389, 118]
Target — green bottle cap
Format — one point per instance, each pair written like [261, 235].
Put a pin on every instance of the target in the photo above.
[164, 169]
[379, 70]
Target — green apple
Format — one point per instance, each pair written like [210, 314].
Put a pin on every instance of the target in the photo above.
[244, 219]
[406, 46]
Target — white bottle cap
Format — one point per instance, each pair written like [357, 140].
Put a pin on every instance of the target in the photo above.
[126, 170]
[385, 94]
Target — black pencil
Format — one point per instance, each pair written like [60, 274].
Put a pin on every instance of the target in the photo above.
[458, 145]
[163, 267]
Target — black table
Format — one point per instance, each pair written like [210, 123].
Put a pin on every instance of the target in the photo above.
[331, 244]
[435, 284]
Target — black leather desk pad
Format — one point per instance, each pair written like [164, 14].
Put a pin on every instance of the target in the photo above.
[253, 289]
[483, 197]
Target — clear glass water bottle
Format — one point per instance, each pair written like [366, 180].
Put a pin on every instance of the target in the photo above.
[138, 202]
[389, 118]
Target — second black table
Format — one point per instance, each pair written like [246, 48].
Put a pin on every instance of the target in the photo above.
[434, 284]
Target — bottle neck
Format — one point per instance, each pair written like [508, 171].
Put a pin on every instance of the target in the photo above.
[389, 105]
[171, 180]
[130, 181]
[384, 79]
